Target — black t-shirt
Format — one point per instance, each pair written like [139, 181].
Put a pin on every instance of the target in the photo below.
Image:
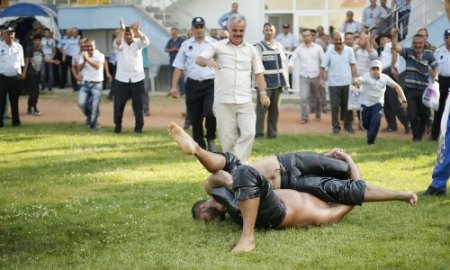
[36, 57]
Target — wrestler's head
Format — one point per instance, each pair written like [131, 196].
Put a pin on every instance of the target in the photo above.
[208, 210]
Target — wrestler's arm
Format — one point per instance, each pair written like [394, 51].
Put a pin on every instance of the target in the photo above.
[339, 153]
[218, 179]
[354, 172]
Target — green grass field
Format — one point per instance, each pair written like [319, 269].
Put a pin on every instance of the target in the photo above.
[72, 198]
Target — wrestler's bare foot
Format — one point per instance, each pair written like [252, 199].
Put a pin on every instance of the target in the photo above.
[186, 143]
[412, 200]
[244, 246]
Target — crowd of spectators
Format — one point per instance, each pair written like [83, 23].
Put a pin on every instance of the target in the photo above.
[337, 57]
[360, 59]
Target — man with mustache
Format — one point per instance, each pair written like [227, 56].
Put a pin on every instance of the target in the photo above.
[234, 61]
[338, 69]
[420, 66]
[129, 79]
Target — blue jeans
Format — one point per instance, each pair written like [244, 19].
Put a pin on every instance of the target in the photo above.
[89, 101]
[371, 118]
[441, 171]
[47, 76]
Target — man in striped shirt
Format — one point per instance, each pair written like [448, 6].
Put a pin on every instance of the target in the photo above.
[420, 66]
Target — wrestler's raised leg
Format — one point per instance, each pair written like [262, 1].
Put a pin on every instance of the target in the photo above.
[374, 194]
[211, 161]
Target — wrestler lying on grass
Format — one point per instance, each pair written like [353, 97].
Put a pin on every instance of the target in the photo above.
[327, 187]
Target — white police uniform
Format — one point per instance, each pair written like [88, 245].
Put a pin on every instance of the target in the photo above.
[11, 63]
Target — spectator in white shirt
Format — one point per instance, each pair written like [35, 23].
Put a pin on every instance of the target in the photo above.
[373, 85]
[372, 15]
[350, 25]
[12, 59]
[235, 60]
[223, 20]
[364, 54]
[338, 68]
[129, 80]
[48, 45]
[287, 39]
[289, 42]
[305, 66]
[71, 50]
[322, 38]
[91, 68]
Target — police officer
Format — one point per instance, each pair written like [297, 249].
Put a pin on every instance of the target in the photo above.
[442, 56]
[11, 64]
[199, 84]
[277, 79]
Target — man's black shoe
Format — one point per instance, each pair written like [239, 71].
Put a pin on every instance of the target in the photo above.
[117, 129]
[431, 191]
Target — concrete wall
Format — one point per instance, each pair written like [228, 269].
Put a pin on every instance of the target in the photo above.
[100, 23]
[211, 11]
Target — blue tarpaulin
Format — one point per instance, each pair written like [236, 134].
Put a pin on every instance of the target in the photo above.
[44, 14]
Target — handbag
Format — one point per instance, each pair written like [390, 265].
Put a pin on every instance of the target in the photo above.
[353, 99]
[430, 96]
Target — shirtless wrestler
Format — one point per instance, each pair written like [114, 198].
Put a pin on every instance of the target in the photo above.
[261, 206]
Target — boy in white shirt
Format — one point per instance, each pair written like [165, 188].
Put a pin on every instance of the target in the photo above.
[373, 85]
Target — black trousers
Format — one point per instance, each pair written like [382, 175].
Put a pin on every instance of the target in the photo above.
[444, 85]
[199, 103]
[124, 91]
[339, 102]
[392, 106]
[32, 83]
[65, 67]
[10, 86]
[73, 81]
[418, 113]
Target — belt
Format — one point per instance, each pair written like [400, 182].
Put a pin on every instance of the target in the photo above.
[91, 82]
[200, 81]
